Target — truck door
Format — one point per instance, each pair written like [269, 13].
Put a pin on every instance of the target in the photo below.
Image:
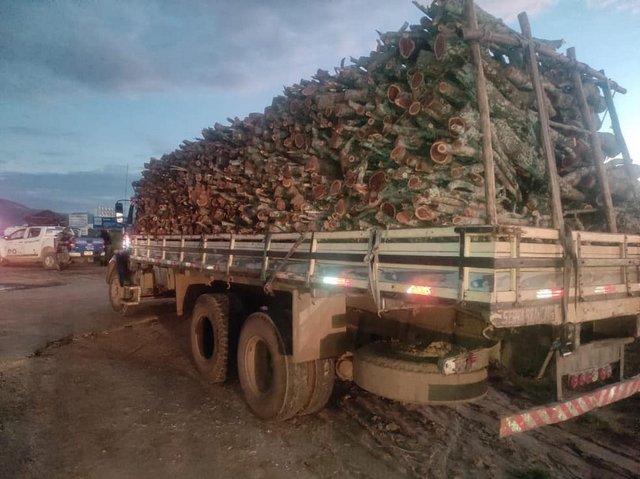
[14, 244]
[32, 244]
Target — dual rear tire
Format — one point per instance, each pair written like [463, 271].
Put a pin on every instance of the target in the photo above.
[274, 386]
[210, 336]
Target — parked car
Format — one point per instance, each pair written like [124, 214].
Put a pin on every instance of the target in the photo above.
[33, 244]
[88, 249]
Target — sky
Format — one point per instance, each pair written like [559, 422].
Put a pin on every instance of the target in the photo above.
[91, 89]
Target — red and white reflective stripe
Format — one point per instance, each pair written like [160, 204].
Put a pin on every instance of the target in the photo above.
[561, 411]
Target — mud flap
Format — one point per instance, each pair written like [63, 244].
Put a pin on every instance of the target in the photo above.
[122, 267]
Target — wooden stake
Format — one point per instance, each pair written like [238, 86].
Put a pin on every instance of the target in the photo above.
[596, 148]
[615, 124]
[569, 128]
[485, 121]
[556, 204]
[515, 41]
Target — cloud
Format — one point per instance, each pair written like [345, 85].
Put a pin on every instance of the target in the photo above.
[139, 46]
[69, 192]
[31, 131]
[56, 154]
[631, 6]
[509, 11]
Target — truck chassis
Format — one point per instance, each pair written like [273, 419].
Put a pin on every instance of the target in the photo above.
[302, 302]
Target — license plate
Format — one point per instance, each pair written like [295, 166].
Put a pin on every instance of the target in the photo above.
[87, 253]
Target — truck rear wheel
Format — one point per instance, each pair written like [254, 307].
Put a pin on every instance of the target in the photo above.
[274, 386]
[210, 336]
[320, 377]
[116, 295]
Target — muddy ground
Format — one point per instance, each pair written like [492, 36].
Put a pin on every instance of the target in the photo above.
[87, 393]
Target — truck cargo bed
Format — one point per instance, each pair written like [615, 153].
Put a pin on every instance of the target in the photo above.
[513, 276]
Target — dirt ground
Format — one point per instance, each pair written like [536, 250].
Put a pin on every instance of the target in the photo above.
[87, 393]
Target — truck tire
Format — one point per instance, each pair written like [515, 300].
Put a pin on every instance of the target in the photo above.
[379, 370]
[210, 336]
[320, 377]
[116, 295]
[49, 261]
[275, 388]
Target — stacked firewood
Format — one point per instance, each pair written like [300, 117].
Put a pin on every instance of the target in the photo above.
[390, 140]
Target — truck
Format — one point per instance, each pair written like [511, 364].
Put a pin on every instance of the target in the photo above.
[413, 314]
[30, 244]
[37, 244]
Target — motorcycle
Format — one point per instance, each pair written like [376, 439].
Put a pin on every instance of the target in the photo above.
[64, 245]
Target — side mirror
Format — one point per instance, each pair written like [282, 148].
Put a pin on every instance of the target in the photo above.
[119, 212]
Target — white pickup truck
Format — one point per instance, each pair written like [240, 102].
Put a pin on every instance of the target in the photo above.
[33, 244]
[30, 244]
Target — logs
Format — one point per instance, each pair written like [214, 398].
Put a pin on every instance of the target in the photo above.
[391, 140]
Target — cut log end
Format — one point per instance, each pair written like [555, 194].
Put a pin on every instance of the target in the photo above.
[335, 188]
[424, 213]
[415, 108]
[440, 46]
[414, 183]
[319, 192]
[388, 209]
[393, 92]
[440, 153]
[406, 46]
[299, 140]
[417, 80]
[378, 181]
[312, 165]
[404, 217]
[456, 126]
[398, 153]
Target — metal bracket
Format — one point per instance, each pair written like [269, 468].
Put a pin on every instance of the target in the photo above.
[371, 258]
[268, 289]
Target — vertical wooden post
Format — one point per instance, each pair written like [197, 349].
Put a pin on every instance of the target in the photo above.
[596, 148]
[556, 204]
[485, 121]
[617, 131]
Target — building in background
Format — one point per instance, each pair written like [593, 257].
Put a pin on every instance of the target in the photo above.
[81, 221]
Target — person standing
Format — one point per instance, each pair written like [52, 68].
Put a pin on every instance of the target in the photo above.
[108, 245]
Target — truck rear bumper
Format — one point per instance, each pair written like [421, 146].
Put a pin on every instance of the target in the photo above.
[564, 410]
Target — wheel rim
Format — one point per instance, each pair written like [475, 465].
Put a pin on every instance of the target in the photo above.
[49, 261]
[259, 366]
[205, 337]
